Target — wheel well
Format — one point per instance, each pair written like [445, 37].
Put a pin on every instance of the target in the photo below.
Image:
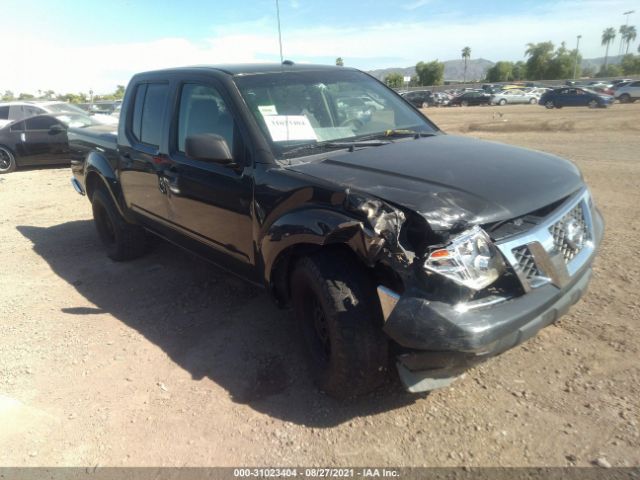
[286, 261]
[8, 149]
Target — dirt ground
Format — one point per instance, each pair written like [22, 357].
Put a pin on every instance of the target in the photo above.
[167, 361]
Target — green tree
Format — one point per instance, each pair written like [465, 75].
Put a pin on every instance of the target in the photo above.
[8, 96]
[608, 36]
[340, 62]
[466, 55]
[119, 93]
[610, 71]
[540, 56]
[394, 80]
[561, 65]
[500, 72]
[430, 73]
[630, 64]
[588, 72]
[519, 70]
[25, 96]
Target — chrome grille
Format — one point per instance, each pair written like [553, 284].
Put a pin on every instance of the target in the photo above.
[570, 233]
[526, 263]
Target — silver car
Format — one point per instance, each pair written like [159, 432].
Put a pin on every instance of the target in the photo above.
[513, 96]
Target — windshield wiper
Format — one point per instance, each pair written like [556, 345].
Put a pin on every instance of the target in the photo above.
[336, 145]
[395, 133]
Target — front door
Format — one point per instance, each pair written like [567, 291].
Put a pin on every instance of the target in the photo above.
[209, 201]
[44, 141]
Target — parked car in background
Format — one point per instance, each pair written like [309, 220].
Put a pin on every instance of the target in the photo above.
[512, 97]
[10, 111]
[629, 92]
[420, 98]
[38, 140]
[574, 97]
[470, 99]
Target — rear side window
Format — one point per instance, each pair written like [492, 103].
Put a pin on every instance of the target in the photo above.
[4, 113]
[635, 84]
[148, 112]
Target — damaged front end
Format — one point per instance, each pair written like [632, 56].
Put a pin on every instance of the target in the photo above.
[458, 297]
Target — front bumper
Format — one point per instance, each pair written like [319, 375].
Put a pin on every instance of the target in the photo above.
[440, 341]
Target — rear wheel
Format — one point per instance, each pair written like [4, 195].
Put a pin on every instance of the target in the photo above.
[7, 160]
[122, 240]
[425, 104]
[335, 305]
[464, 103]
[593, 104]
[549, 104]
[625, 98]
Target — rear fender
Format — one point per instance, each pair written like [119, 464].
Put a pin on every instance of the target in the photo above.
[99, 173]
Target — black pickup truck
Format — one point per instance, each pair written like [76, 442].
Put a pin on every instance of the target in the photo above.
[394, 243]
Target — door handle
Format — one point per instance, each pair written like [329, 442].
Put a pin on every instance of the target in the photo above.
[169, 180]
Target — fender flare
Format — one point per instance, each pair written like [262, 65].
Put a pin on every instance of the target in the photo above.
[98, 169]
[311, 228]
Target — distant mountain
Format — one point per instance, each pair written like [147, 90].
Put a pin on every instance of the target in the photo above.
[453, 70]
[595, 63]
[477, 68]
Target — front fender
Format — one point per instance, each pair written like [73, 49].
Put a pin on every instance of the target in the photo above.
[311, 227]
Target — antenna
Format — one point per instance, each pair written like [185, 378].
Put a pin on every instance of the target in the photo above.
[279, 30]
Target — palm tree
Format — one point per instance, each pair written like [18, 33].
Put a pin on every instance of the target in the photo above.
[608, 35]
[629, 36]
[623, 32]
[466, 55]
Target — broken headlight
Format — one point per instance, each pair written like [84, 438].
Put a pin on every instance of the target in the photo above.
[470, 259]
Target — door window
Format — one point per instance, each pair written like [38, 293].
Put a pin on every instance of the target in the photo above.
[43, 122]
[17, 127]
[4, 113]
[203, 110]
[148, 112]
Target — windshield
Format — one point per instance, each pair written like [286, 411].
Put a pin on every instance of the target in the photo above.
[295, 109]
[64, 107]
[77, 121]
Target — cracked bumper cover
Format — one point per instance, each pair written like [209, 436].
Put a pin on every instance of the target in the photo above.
[442, 342]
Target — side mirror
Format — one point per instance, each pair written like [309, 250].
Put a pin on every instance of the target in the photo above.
[208, 147]
[57, 129]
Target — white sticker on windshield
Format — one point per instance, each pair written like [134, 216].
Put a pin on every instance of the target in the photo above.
[289, 127]
[267, 110]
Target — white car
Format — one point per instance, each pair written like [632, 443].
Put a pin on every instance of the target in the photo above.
[11, 111]
[629, 93]
[513, 96]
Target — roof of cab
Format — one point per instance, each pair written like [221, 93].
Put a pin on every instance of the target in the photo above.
[256, 68]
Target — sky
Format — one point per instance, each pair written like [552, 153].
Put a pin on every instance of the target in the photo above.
[77, 46]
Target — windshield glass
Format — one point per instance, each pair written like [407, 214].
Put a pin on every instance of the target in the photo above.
[64, 107]
[78, 121]
[295, 109]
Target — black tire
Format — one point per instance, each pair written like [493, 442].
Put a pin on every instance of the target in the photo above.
[122, 240]
[593, 104]
[625, 98]
[533, 101]
[337, 310]
[464, 103]
[425, 104]
[502, 102]
[549, 104]
[7, 160]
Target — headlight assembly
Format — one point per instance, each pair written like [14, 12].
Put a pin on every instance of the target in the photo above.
[470, 259]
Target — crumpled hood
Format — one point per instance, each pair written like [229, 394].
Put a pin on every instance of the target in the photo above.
[452, 180]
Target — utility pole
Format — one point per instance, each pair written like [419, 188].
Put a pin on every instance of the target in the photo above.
[575, 60]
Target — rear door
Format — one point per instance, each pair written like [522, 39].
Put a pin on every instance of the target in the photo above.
[208, 201]
[141, 159]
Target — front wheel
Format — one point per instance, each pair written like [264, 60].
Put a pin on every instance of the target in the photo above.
[336, 308]
[549, 104]
[464, 103]
[122, 240]
[533, 101]
[625, 98]
[593, 104]
[425, 104]
[7, 160]
[502, 102]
